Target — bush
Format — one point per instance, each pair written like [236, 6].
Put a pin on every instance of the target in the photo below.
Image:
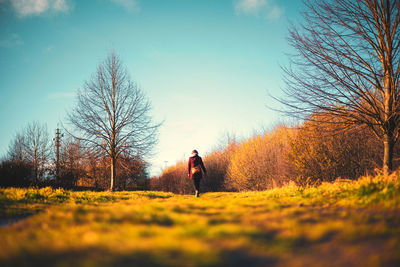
[175, 179]
[217, 164]
[260, 162]
[311, 153]
[322, 152]
[15, 173]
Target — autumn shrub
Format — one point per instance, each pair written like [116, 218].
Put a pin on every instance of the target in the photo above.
[217, 164]
[260, 162]
[308, 154]
[322, 152]
[175, 179]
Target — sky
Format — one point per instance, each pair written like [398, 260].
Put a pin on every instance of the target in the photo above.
[207, 66]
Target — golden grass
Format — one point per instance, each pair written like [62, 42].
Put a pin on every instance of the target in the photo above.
[353, 223]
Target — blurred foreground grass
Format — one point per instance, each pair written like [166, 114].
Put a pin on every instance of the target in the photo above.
[347, 223]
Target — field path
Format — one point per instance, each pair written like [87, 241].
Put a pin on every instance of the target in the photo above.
[285, 227]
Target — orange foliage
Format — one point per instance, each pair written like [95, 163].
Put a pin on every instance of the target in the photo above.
[174, 179]
[260, 162]
[321, 152]
[309, 153]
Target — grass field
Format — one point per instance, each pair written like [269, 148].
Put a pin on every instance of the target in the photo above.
[341, 224]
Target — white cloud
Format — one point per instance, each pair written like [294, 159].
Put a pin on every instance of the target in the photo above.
[11, 41]
[267, 9]
[252, 7]
[26, 8]
[60, 5]
[130, 5]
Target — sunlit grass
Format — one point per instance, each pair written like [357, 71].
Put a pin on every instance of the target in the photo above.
[343, 223]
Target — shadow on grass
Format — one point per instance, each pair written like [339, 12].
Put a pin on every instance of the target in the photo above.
[85, 257]
[11, 220]
[11, 215]
[154, 195]
[239, 258]
[103, 257]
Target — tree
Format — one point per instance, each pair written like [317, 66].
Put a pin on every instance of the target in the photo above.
[37, 147]
[16, 149]
[32, 146]
[71, 163]
[112, 115]
[131, 173]
[347, 65]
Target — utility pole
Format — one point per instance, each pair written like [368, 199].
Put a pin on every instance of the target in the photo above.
[57, 140]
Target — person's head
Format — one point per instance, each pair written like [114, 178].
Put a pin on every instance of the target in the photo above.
[195, 153]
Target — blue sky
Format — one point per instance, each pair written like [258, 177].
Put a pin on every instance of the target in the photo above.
[205, 65]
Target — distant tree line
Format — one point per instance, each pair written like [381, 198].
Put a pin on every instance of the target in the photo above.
[305, 155]
[31, 161]
[110, 133]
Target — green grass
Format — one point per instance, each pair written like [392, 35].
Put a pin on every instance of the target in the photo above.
[341, 224]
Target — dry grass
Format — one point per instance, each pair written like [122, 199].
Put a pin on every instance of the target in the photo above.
[337, 224]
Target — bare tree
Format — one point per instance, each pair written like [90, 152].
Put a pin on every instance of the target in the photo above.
[32, 146]
[112, 115]
[16, 149]
[71, 162]
[37, 147]
[347, 65]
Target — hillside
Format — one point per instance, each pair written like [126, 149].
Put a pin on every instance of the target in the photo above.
[346, 223]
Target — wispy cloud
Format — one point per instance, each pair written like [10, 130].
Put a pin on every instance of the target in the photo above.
[11, 41]
[61, 95]
[28, 8]
[130, 5]
[274, 13]
[267, 9]
[251, 7]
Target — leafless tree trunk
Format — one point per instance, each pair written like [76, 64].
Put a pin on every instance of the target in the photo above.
[347, 65]
[112, 115]
[37, 147]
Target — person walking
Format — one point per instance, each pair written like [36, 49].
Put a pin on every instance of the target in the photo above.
[195, 170]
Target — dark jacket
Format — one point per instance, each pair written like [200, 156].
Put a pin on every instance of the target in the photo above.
[193, 162]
